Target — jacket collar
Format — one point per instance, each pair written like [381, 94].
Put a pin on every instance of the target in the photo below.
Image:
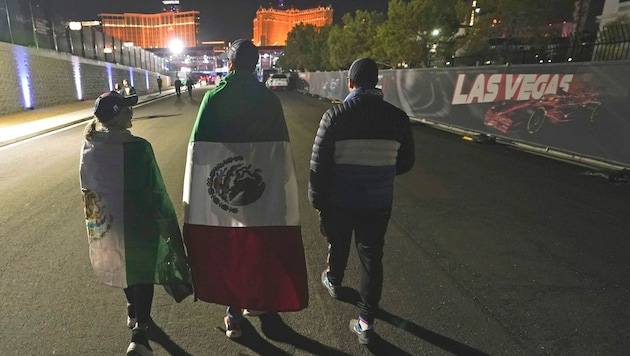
[364, 92]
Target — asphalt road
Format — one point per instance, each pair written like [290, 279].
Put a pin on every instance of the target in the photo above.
[489, 251]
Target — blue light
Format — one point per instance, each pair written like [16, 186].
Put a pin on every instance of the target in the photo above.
[146, 75]
[21, 65]
[76, 70]
[110, 79]
[131, 81]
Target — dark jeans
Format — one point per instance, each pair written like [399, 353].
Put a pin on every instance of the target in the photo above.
[235, 313]
[139, 301]
[369, 227]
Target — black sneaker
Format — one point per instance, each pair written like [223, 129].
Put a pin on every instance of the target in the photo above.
[139, 345]
[364, 336]
[331, 287]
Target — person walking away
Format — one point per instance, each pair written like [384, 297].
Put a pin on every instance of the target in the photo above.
[159, 84]
[360, 146]
[178, 87]
[241, 218]
[133, 235]
[189, 86]
[127, 90]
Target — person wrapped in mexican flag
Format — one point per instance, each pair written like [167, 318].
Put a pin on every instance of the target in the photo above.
[241, 220]
[134, 238]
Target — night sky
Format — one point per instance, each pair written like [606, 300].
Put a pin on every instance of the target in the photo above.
[220, 19]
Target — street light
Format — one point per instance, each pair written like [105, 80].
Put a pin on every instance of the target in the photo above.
[176, 46]
[433, 46]
[76, 26]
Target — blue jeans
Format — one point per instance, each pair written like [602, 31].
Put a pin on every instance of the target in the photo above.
[369, 227]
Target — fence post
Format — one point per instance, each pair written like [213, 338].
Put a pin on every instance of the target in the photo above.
[6, 9]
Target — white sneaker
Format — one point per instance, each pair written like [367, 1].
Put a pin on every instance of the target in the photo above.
[139, 345]
[232, 328]
[249, 312]
[131, 322]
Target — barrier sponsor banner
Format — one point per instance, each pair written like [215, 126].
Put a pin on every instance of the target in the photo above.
[578, 108]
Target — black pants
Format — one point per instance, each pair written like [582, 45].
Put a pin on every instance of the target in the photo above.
[369, 227]
[139, 301]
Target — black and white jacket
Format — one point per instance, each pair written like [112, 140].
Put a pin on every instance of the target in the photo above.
[361, 145]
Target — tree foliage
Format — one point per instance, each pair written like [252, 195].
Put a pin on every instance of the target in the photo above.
[514, 22]
[405, 37]
[408, 37]
[355, 39]
[306, 48]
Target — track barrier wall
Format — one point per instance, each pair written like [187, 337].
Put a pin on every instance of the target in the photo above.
[581, 109]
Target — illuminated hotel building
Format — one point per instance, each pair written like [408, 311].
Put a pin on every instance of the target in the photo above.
[153, 30]
[271, 26]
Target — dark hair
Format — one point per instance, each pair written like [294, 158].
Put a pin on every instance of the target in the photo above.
[244, 54]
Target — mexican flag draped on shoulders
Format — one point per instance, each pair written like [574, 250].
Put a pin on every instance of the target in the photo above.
[133, 233]
[241, 219]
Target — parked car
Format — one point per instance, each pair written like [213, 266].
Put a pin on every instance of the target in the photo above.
[510, 116]
[277, 81]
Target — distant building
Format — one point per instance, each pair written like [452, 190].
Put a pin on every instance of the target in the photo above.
[271, 26]
[153, 30]
[612, 10]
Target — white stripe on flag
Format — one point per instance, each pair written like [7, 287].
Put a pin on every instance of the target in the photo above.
[106, 184]
[222, 184]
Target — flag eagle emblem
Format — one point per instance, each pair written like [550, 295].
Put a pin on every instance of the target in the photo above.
[233, 183]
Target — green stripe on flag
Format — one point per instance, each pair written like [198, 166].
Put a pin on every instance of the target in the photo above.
[153, 244]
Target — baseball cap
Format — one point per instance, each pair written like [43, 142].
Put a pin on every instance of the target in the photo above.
[363, 72]
[243, 53]
[108, 104]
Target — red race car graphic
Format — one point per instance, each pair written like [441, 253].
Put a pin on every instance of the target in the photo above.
[511, 116]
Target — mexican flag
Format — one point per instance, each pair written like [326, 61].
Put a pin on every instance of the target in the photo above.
[132, 228]
[241, 218]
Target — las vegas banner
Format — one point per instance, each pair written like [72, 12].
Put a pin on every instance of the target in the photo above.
[578, 108]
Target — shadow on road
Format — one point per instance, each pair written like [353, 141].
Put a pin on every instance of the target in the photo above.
[252, 340]
[438, 340]
[157, 335]
[382, 347]
[275, 329]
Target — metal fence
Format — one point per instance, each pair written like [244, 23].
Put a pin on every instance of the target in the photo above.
[33, 24]
[609, 44]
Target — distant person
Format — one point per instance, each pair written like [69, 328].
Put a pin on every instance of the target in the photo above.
[241, 218]
[159, 83]
[133, 234]
[189, 86]
[118, 88]
[127, 89]
[178, 87]
[361, 145]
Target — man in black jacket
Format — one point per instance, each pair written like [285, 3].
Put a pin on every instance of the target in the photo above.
[361, 145]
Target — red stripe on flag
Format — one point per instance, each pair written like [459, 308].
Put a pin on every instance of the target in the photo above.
[260, 268]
